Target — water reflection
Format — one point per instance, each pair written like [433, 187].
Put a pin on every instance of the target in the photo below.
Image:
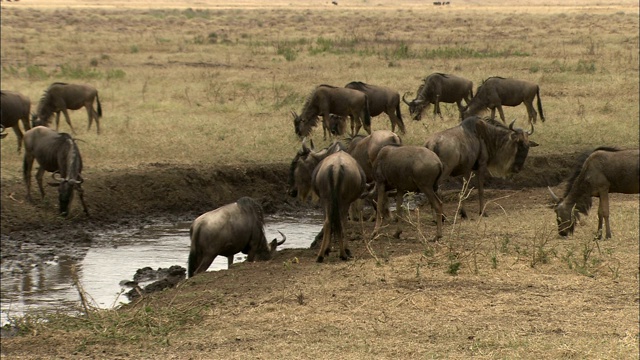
[115, 256]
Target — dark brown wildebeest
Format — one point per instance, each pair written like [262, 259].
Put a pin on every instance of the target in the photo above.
[365, 150]
[603, 171]
[337, 181]
[497, 91]
[438, 88]
[15, 107]
[57, 153]
[407, 169]
[381, 100]
[481, 146]
[337, 124]
[228, 230]
[60, 97]
[327, 99]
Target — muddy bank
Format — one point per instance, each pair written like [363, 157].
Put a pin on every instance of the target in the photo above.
[132, 198]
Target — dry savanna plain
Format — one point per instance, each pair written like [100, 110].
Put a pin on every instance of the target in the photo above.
[197, 99]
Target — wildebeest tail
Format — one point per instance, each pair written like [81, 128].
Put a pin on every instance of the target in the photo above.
[100, 107]
[436, 183]
[540, 105]
[193, 253]
[334, 208]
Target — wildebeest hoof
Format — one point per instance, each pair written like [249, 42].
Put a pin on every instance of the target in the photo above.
[348, 252]
[320, 259]
[397, 234]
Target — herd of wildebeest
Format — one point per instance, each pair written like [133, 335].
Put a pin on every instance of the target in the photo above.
[369, 168]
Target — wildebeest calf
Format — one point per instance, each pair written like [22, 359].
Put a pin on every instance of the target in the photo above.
[60, 97]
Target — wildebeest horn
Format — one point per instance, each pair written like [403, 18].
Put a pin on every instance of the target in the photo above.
[555, 198]
[294, 114]
[56, 176]
[284, 238]
[529, 133]
[311, 143]
[404, 100]
[511, 125]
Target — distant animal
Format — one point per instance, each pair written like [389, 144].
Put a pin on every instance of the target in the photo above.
[57, 153]
[481, 146]
[437, 88]
[228, 230]
[327, 99]
[15, 107]
[603, 171]
[495, 92]
[381, 100]
[407, 169]
[337, 181]
[365, 150]
[60, 97]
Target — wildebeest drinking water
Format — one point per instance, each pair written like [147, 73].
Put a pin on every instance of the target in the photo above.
[497, 91]
[438, 88]
[326, 100]
[603, 171]
[228, 230]
[381, 100]
[15, 107]
[57, 153]
[60, 97]
[481, 146]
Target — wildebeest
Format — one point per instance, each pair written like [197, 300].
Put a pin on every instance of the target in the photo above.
[228, 230]
[497, 91]
[437, 88]
[60, 97]
[15, 107]
[337, 181]
[327, 99]
[481, 145]
[365, 150]
[603, 171]
[381, 100]
[337, 124]
[57, 153]
[407, 169]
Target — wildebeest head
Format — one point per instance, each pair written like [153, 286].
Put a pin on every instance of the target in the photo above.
[509, 156]
[302, 166]
[337, 124]
[417, 105]
[566, 216]
[66, 189]
[303, 127]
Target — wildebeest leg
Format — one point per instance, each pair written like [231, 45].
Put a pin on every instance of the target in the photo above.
[66, 117]
[438, 107]
[205, 262]
[436, 207]
[345, 253]
[382, 203]
[603, 213]
[480, 174]
[326, 238]
[317, 241]
[57, 120]
[501, 114]
[460, 108]
[26, 172]
[355, 210]
[81, 195]
[325, 126]
[92, 114]
[16, 129]
[353, 125]
[399, 209]
[39, 175]
[533, 115]
[358, 124]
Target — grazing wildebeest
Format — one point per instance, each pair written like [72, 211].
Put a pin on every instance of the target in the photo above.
[57, 153]
[481, 145]
[327, 99]
[381, 100]
[228, 230]
[365, 150]
[60, 97]
[407, 169]
[438, 88]
[15, 107]
[497, 91]
[603, 171]
[337, 181]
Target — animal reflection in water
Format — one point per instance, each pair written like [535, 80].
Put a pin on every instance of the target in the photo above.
[603, 171]
[228, 230]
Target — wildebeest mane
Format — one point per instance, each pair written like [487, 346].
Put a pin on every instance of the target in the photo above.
[358, 85]
[582, 191]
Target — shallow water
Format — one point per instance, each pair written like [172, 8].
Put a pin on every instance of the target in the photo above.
[115, 256]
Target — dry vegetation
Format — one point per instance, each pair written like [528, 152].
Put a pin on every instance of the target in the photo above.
[205, 85]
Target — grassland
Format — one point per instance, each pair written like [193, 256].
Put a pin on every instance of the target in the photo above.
[207, 85]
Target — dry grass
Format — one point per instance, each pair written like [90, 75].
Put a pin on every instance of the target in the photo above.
[214, 83]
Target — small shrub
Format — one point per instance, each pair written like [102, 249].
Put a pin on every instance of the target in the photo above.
[134, 49]
[35, 72]
[115, 74]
